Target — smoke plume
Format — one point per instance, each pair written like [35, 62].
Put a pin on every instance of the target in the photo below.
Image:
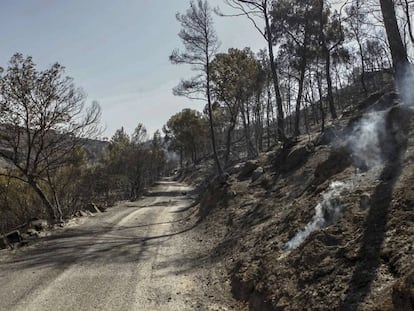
[327, 212]
[406, 86]
[364, 141]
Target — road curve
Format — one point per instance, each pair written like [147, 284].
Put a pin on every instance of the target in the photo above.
[132, 257]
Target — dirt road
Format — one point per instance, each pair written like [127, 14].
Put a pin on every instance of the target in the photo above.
[136, 256]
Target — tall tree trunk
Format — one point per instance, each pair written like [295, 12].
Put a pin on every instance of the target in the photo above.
[268, 109]
[228, 140]
[327, 55]
[300, 92]
[275, 78]
[331, 102]
[398, 51]
[361, 55]
[321, 108]
[313, 104]
[259, 116]
[210, 113]
[249, 145]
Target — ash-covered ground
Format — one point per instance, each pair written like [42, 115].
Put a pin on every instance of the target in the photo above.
[323, 223]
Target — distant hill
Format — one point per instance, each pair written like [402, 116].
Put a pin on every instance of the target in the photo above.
[94, 150]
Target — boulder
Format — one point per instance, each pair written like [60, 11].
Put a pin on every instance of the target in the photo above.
[298, 155]
[14, 236]
[248, 169]
[257, 173]
[329, 135]
[32, 232]
[235, 168]
[38, 224]
[337, 161]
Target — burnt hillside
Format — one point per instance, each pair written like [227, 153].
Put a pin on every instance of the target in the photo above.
[328, 218]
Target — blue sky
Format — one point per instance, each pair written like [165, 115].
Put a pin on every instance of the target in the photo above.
[117, 51]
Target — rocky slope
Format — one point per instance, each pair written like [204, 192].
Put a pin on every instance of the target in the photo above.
[324, 222]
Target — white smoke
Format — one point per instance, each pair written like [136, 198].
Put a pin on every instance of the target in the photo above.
[365, 146]
[327, 212]
[366, 151]
[364, 141]
[406, 86]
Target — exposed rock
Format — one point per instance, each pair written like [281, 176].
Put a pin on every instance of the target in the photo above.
[337, 161]
[32, 232]
[296, 156]
[235, 168]
[329, 135]
[38, 224]
[267, 156]
[14, 236]
[248, 169]
[257, 173]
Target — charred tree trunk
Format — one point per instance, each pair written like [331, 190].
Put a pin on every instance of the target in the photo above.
[398, 51]
[210, 113]
[361, 55]
[321, 108]
[300, 92]
[49, 207]
[275, 78]
[228, 140]
[331, 102]
[258, 124]
[327, 55]
[268, 110]
[246, 127]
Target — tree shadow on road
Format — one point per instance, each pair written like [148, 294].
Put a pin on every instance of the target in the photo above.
[120, 244]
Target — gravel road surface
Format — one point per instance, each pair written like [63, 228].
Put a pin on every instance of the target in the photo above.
[136, 256]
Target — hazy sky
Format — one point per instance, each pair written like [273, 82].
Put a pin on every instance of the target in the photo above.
[117, 51]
